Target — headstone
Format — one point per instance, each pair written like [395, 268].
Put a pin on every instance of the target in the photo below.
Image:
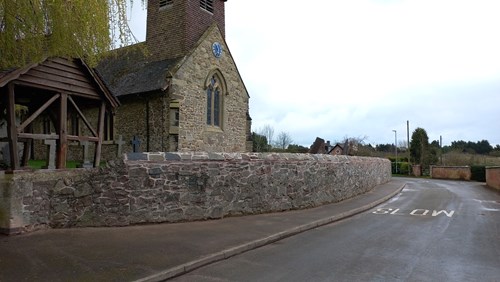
[6, 154]
[51, 153]
[136, 144]
[120, 143]
[86, 161]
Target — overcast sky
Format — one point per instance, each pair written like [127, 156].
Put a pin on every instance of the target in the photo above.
[337, 68]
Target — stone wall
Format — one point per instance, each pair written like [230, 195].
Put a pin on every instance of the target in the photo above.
[451, 172]
[174, 187]
[493, 177]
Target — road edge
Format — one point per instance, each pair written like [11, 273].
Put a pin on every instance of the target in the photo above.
[230, 252]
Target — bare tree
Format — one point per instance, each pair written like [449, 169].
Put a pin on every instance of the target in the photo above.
[268, 132]
[353, 144]
[283, 140]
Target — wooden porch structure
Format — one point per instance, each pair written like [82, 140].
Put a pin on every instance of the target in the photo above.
[54, 87]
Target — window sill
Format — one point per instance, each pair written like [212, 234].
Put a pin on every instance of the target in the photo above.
[211, 128]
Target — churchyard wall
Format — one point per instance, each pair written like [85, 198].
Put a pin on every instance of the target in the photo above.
[175, 187]
[451, 172]
[493, 177]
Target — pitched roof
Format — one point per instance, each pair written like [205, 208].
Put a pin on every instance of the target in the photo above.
[129, 71]
[69, 75]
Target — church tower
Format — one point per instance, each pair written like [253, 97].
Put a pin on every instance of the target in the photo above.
[174, 26]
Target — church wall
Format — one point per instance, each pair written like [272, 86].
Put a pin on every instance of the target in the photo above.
[194, 134]
[130, 120]
[173, 187]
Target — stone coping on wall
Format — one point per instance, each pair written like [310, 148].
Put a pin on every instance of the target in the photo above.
[193, 156]
[450, 166]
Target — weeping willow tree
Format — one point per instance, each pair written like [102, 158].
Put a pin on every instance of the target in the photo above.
[31, 30]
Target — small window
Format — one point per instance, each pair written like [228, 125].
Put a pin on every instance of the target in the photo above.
[207, 5]
[164, 3]
[174, 116]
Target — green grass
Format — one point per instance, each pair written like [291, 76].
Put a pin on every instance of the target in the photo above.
[39, 164]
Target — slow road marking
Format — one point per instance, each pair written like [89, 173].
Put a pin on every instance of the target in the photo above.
[415, 212]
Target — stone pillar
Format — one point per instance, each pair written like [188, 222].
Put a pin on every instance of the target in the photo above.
[416, 170]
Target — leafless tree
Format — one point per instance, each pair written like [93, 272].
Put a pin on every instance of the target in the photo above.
[353, 144]
[268, 132]
[283, 140]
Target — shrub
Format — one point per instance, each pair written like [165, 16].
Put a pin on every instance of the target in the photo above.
[404, 168]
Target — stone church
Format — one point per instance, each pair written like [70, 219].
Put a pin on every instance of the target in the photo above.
[180, 90]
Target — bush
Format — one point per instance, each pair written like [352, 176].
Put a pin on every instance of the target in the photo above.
[402, 168]
[478, 173]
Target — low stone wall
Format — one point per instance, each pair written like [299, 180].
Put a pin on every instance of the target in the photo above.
[493, 177]
[173, 187]
[451, 172]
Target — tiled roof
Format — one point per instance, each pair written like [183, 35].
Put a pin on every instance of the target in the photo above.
[130, 71]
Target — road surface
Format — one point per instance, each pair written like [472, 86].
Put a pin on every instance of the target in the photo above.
[434, 230]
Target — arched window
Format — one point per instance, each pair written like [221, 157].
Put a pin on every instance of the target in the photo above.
[215, 89]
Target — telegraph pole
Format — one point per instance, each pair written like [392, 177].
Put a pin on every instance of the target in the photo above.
[408, 140]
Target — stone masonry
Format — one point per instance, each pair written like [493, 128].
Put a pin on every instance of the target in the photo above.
[188, 84]
[175, 187]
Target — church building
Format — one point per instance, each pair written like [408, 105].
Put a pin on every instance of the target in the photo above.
[180, 90]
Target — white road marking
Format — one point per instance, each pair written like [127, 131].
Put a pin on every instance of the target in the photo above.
[415, 212]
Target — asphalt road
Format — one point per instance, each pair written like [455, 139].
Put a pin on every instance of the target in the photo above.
[433, 230]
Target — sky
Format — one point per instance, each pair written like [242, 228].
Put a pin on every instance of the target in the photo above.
[363, 68]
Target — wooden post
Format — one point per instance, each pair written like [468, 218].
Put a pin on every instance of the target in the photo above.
[63, 132]
[98, 147]
[11, 127]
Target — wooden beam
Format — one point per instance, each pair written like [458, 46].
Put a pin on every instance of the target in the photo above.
[98, 147]
[11, 127]
[83, 138]
[40, 82]
[38, 136]
[89, 126]
[46, 87]
[62, 149]
[37, 113]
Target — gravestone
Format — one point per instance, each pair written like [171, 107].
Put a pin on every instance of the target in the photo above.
[51, 154]
[120, 144]
[136, 144]
[6, 154]
[86, 161]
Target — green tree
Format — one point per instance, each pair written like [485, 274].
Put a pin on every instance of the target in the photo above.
[31, 30]
[420, 150]
[259, 143]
